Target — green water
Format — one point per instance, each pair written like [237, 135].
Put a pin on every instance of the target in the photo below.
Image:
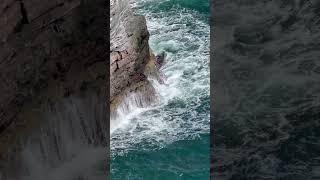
[201, 6]
[170, 140]
[185, 159]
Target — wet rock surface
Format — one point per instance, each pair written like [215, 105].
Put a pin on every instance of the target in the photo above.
[129, 52]
[52, 55]
[266, 89]
[160, 59]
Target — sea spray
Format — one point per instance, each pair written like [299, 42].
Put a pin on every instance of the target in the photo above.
[132, 104]
[70, 144]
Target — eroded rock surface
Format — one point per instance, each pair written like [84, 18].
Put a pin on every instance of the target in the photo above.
[130, 55]
[53, 59]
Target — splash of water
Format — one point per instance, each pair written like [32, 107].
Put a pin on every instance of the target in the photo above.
[71, 143]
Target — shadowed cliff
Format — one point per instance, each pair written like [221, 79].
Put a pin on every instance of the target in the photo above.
[53, 109]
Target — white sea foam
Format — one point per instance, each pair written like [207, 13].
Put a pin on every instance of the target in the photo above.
[174, 116]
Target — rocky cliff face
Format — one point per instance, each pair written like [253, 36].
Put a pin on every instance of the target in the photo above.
[131, 59]
[53, 87]
[53, 105]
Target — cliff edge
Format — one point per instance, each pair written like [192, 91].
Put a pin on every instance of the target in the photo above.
[131, 59]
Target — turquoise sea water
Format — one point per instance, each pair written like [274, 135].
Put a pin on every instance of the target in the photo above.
[170, 140]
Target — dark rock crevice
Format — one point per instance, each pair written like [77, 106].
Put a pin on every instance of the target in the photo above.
[24, 20]
[49, 10]
[24, 13]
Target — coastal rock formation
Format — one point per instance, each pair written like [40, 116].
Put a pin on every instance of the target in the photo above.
[53, 87]
[131, 59]
[53, 107]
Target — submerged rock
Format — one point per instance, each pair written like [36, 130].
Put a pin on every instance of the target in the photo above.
[160, 59]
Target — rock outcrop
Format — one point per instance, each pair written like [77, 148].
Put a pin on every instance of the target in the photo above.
[53, 87]
[53, 103]
[131, 59]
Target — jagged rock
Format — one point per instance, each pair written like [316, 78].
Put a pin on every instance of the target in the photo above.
[129, 49]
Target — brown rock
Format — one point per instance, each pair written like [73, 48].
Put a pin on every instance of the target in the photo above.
[129, 48]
